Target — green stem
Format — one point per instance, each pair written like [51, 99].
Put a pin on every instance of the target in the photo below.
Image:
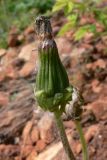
[63, 136]
[82, 139]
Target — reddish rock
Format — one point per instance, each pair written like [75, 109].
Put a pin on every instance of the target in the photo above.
[104, 39]
[9, 150]
[2, 52]
[103, 92]
[34, 134]
[17, 158]
[87, 19]
[4, 98]
[11, 72]
[76, 55]
[32, 155]
[12, 38]
[83, 20]
[63, 48]
[56, 30]
[100, 63]
[29, 30]
[20, 38]
[91, 132]
[26, 133]
[99, 108]
[89, 66]
[96, 86]
[26, 51]
[2, 147]
[27, 69]
[46, 128]
[99, 27]
[88, 37]
[86, 46]
[69, 124]
[26, 150]
[2, 75]
[40, 146]
[69, 35]
[52, 152]
[9, 57]
[100, 46]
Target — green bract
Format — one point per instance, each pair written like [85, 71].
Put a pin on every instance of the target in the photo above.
[52, 89]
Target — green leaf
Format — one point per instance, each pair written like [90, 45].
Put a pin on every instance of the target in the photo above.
[20, 7]
[65, 28]
[80, 32]
[80, 6]
[70, 7]
[60, 4]
[92, 28]
[72, 18]
[103, 18]
[70, 24]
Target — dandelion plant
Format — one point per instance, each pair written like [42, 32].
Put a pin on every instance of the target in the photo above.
[52, 89]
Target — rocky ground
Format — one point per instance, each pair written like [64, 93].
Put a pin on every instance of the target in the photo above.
[27, 132]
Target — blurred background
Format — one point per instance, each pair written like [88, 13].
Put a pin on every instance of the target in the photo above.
[80, 31]
[20, 14]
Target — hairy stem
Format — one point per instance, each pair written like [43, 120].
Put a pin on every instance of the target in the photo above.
[63, 136]
[82, 139]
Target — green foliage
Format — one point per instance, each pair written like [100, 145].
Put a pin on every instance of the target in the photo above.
[20, 13]
[71, 23]
[68, 5]
[83, 30]
[74, 11]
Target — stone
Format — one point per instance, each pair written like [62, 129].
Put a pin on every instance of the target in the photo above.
[2, 75]
[26, 133]
[56, 30]
[29, 30]
[96, 86]
[88, 37]
[63, 48]
[46, 128]
[9, 150]
[4, 98]
[40, 146]
[100, 63]
[20, 38]
[69, 124]
[100, 47]
[26, 51]
[27, 69]
[26, 150]
[32, 155]
[2, 52]
[99, 108]
[11, 54]
[11, 72]
[12, 38]
[34, 134]
[52, 152]
[99, 27]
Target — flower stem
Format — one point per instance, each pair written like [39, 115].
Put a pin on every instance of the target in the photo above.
[63, 136]
[82, 139]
